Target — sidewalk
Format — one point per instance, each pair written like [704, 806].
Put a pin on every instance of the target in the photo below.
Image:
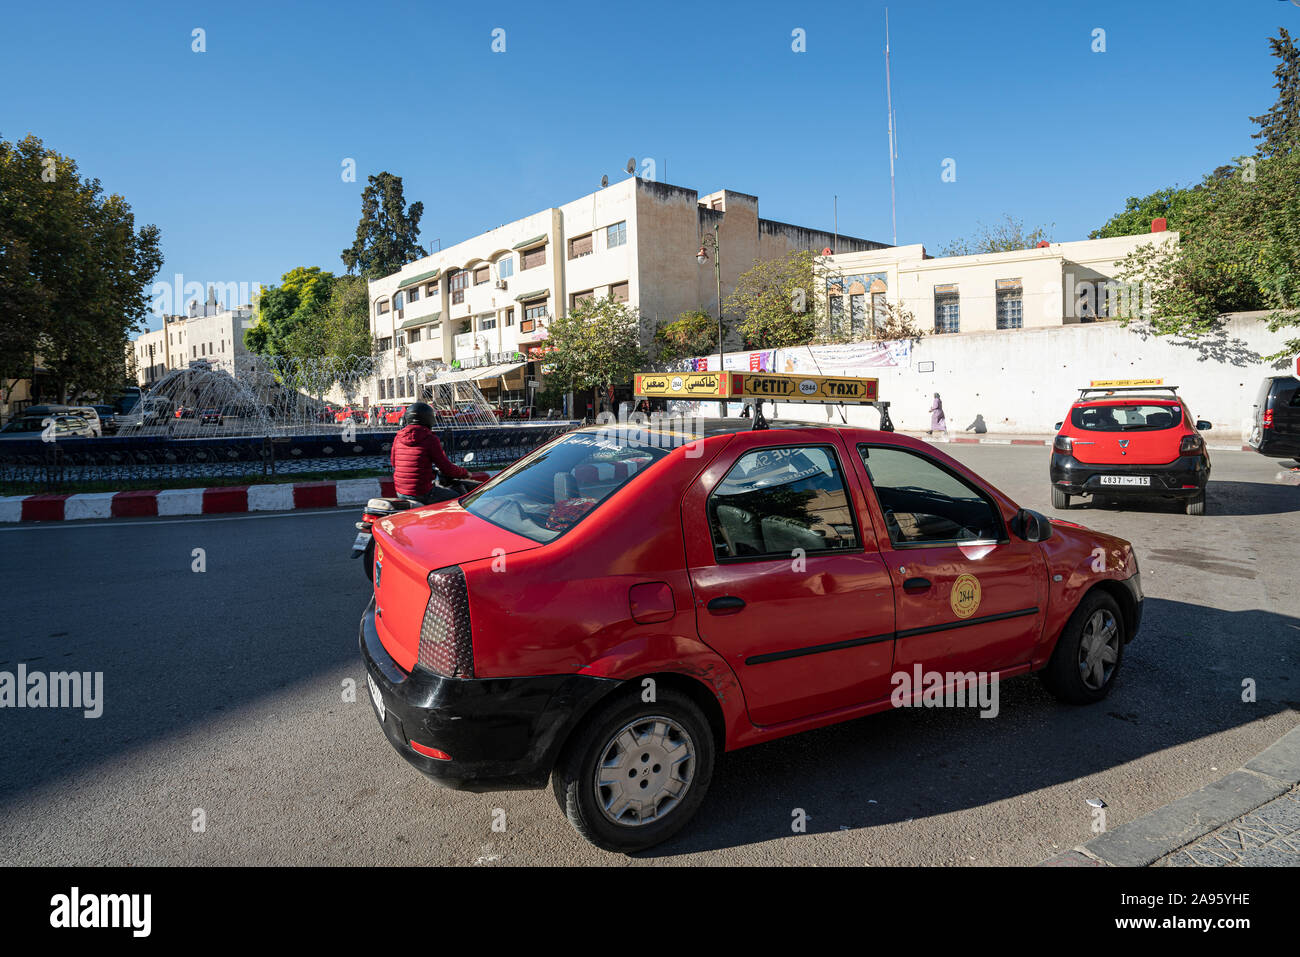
[1250, 818]
[1037, 438]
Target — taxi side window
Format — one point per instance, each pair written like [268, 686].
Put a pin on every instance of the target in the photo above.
[774, 501]
[925, 504]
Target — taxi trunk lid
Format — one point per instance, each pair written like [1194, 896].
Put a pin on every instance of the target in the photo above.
[1131, 446]
[412, 544]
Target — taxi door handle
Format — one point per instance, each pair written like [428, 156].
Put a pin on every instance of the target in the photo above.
[726, 605]
[916, 584]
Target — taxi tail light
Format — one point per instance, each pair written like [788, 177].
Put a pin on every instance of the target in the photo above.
[1268, 418]
[429, 752]
[445, 645]
[1191, 445]
[1063, 443]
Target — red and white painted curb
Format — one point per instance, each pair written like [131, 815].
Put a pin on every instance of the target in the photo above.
[192, 501]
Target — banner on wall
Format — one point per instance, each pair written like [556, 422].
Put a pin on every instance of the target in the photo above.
[843, 359]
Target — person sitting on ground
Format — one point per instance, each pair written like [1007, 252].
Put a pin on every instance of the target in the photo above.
[416, 452]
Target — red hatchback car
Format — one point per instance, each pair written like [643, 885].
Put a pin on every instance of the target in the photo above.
[621, 606]
[1127, 441]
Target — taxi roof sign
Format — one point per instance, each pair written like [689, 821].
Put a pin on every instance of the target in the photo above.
[769, 386]
[1124, 383]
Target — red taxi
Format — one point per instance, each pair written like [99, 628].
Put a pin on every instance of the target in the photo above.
[618, 608]
[1130, 440]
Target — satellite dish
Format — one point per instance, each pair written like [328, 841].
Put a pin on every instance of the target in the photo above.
[631, 164]
[604, 181]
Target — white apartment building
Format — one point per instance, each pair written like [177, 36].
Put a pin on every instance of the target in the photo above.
[483, 305]
[1052, 285]
[208, 332]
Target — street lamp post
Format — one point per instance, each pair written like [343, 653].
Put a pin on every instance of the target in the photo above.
[702, 257]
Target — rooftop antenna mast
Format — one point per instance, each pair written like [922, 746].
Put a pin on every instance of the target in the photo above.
[893, 145]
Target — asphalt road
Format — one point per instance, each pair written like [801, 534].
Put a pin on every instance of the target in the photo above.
[225, 691]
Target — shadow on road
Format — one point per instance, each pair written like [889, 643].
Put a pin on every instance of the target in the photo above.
[1221, 498]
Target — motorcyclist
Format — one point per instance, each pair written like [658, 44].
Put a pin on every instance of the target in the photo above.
[416, 452]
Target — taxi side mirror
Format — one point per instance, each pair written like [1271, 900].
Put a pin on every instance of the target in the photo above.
[1032, 526]
[1202, 425]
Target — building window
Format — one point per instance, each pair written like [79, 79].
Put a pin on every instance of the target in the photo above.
[459, 280]
[381, 307]
[857, 313]
[531, 258]
[392, 393]
[413, 294]
[413, 336]
[382, 393]
[947, 309]
[576, 297]
[879, 312]
[385, 344]
[510, 317]
[399, 300]
[579, 247]
[410, 384]
[836, 312]
[616, 235]
[506, 267]
[618, 292]
[487, 322]
[1010, 304]
[532, 315]
[482, 274]
[431, 289]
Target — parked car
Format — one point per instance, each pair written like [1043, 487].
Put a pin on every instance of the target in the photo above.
[1130, 441]
[1276, 417]
[107, 418]
[666, 602]
[211, 417]
[63, 422]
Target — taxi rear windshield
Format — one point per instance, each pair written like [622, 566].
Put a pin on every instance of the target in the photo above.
[553, 490]
[1126, 418]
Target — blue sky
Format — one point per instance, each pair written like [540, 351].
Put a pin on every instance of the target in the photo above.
[236, 153]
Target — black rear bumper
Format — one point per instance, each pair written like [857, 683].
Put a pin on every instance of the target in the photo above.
[501, 733]
[1184, 477]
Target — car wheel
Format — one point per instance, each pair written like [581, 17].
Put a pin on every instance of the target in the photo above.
[369, 559]
[1196, 506]
[1088, 652]
[1059, 498]
[636, 772]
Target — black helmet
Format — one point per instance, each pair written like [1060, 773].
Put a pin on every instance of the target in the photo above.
[420, 412]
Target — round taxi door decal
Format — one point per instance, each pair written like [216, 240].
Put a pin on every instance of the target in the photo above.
[965, 597]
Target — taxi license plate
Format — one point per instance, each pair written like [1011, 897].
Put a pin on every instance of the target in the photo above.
[361, 541]
[376, 697]
[1126, 480]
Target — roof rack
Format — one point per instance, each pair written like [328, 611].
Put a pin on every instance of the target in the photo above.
[1108, 389]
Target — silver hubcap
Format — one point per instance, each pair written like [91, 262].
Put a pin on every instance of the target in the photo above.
[1099, 649]
[644, 771]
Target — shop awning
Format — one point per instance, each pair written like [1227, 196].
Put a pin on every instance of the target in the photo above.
[422, 321]
[530, 242]
[539, 294]
[416, 280]
[478, 373]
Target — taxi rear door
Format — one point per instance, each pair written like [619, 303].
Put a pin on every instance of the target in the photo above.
[788, 583]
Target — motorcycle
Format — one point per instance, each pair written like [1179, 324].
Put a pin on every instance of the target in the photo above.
[378, 509]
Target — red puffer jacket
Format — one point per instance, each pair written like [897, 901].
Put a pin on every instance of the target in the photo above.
[416, 451]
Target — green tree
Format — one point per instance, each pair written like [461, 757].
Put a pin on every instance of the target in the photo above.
[776, 302]
[1002, 237]
[289, 315]
[692, 333]
[1135, 219]
[596, 345]
[1279, 128]
[388, 231]
[74, 272]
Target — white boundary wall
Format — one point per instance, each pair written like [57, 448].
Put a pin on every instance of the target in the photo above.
[1023, 381]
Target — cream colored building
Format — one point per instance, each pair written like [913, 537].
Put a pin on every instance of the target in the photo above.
[208, 332]
[1052, 285]
[486, 302]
